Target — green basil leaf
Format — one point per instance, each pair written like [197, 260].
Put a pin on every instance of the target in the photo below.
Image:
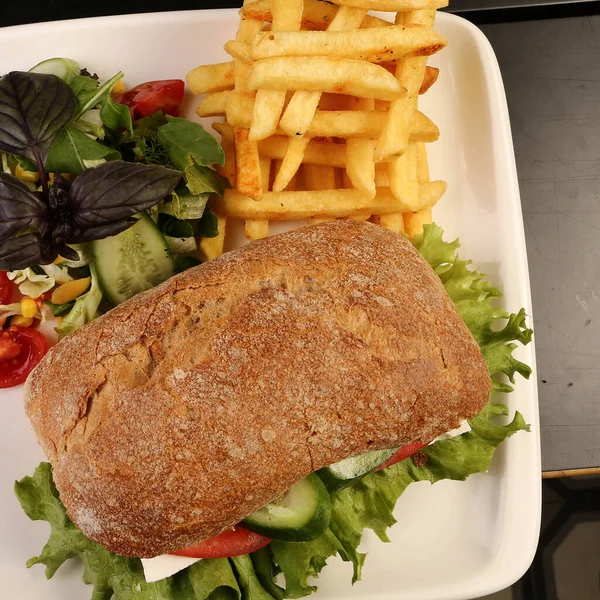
[116, 191]
[174, 227]
[209, 224]
[186, 141]
[116, 116]
[20, 208]
[73, 152]
[34, 108]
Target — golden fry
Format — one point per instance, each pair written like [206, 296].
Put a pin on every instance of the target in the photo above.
[208, 79]
[360, 164]
[413, 222]
[400, 6]
[338, 203]
[344, 76]
[319, 177]
[373, 45]
[248, 180]
[213, 105]
[317, 152]
[256, 230]
[430, 77]
[209, 248]
[291, 162]
[316, 15]
[410, 72]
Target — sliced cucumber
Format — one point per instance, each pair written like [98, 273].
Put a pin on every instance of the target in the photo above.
[342, 474]
[300, 515]
[132, 261]
[64, 68]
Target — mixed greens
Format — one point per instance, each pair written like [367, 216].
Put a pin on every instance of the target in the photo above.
[367, 503]
[77, 170]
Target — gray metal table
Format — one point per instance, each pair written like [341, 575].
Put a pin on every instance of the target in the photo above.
[551, 71]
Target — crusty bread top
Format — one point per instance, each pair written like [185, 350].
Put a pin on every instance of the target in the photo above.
[192, 405]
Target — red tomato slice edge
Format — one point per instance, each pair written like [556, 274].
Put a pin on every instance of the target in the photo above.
[402, 454]
[14, 369]
[147, 98]
[232, 542]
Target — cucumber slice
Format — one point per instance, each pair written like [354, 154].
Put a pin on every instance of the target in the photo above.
[64, 68]
[132, 261]
[300, 515]
[342, 474]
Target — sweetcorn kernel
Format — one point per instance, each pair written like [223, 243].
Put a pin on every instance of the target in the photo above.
[29, 308]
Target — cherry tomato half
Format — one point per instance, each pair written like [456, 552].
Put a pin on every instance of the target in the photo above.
[147, 98]
[402, 454]
[21, 349]
[7, 288]
[233, 542]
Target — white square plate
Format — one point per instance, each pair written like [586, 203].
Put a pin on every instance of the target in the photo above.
[453, 540]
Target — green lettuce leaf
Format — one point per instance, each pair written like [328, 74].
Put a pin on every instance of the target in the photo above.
[367, 504]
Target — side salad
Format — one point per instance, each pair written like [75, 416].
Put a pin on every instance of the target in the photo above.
[103, 194]
[366, 499]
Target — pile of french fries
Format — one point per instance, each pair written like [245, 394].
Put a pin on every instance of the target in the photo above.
[321, 119]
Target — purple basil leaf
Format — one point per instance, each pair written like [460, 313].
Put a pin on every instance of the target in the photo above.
[24, 251]
[115, 191]
[34, 108]
[19, 208]
[100, 232]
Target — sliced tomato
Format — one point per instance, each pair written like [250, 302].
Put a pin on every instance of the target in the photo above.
[233, 542]
[21, 349]
[402, 454]
[147, 98]
[7, 288]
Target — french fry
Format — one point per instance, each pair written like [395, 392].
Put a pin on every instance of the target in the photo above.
[256, 230]
[360, 165]
[393, 140]
[404, 183]
[316, 15]
[213, 105]
[291, 162]
[373, 45]
[249, 179]
[400, 6]
[286, 15]
[344, 76]
[338, 203]
[303, 104]
[430, 77]
[209, 248]
[316, 153]
[319, 177]
[414, 221]
[422, 163]
[382, 175]
[228, 170]
[238, 50]
[265, 173]
[208, 79]
[266, 112]
[393, 222]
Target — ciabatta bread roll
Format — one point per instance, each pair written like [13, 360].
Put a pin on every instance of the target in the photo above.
[185, 409]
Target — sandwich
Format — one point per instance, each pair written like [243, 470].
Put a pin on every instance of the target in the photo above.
[261, 390]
